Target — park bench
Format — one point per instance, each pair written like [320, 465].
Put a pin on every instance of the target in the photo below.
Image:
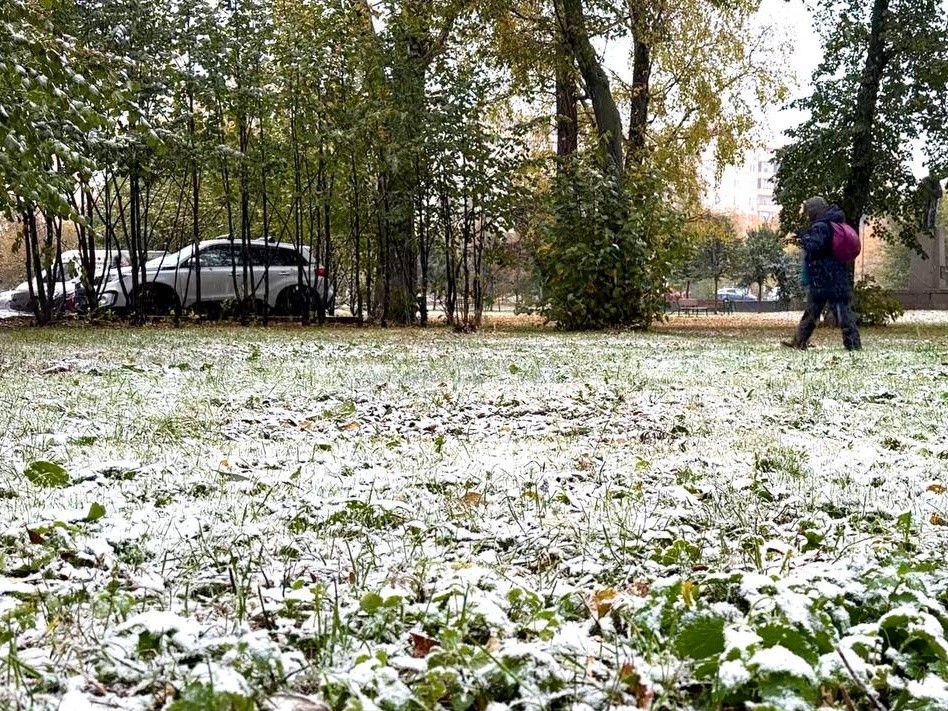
[693, 307]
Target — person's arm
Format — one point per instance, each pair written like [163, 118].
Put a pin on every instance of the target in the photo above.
[816, 240]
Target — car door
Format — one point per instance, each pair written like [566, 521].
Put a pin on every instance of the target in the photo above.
[217, 272]
[284, 264]
[269, 271]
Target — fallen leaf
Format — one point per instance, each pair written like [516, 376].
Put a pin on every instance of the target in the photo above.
[35, 538]
[633, 680]
[938, 520]
[601, 601]
[472, 498]
[937, 488]
[306, 425]
[639, 588]
[421, 645]
[351, 427]
[493, 644]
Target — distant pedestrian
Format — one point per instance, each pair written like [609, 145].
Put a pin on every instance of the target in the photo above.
[830, 280]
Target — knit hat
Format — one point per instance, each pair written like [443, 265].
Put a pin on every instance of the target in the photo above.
[814, 207]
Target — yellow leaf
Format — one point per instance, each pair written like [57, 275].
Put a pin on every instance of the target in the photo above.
[351, 427]
[937, 520]
[224, 465]
[688, 590]
[601, 601]
[937, 488]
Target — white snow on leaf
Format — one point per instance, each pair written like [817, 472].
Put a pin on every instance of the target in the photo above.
[740, 638]
[733, 674]
[932, 688]
[223, 679]
[779, 659]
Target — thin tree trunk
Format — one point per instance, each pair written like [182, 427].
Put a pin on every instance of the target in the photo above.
[357, 234]
[195, 198]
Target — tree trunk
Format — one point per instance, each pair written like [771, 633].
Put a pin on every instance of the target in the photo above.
[400, 256]
[567, 120]
[862, 161]
[572, 22]
[638, 117]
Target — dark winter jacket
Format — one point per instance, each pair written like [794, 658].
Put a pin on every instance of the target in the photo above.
[829, 278]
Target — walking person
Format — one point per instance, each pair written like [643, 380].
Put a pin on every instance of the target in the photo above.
[830, 280]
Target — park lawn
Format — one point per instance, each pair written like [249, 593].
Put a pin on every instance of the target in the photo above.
[216, 517]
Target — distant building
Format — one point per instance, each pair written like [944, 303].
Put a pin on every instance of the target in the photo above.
[746, 191]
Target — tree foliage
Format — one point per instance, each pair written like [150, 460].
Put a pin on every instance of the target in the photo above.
[406, 144]
[878, 95]
[715, 248]
[760, 256]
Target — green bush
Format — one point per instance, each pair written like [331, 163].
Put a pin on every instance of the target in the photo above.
[602, 262]
[874, 305]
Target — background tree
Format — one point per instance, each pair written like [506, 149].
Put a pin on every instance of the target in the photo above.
[51, 98]
[716, 248]
[759, 257]
[878, 94]
[694, 66]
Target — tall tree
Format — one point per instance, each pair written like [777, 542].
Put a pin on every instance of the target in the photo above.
[694, 63]
[415, 33]
[878, 95]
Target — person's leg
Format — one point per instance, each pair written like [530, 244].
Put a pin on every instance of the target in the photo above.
[811, 316]
[847, 323]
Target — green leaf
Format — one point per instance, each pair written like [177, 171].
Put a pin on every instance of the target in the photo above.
[46, 474]
[700, 637]
[96, 511]
[514, 369]
[791, 638]
[371, 602]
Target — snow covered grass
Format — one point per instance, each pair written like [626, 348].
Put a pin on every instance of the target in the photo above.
[692, 518]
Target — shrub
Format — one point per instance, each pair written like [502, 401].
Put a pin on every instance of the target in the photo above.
[874, 305]
[602, 262]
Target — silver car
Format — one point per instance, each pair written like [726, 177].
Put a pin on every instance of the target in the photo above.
[280, 275]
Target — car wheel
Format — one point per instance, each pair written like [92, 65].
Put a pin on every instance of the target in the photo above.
[156, 300]
[293, 300]
[253, 307]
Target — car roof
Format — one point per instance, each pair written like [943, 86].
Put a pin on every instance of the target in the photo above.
[253, 243]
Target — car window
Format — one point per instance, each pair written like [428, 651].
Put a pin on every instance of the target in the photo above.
[275, 256]
[221, 255]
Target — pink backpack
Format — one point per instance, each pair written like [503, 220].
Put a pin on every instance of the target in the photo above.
[846, 246]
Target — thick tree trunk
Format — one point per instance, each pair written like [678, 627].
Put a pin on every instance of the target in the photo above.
[638, 117]
[862, 161]
[572, 22]
[567, 120]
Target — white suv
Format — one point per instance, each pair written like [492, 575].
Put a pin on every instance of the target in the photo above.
[171, 280]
